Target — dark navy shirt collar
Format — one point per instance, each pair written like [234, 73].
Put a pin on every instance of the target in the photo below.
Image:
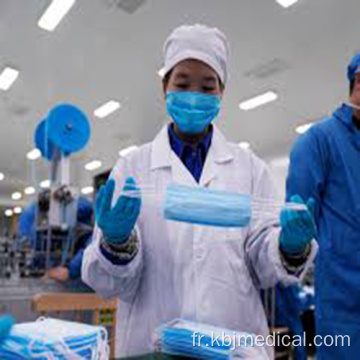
[192, 157]
[179, 145]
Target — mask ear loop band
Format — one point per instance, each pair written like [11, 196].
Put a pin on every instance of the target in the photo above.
[103, 352]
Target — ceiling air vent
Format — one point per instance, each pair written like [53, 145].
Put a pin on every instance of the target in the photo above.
[19, 109]
[129, 6]
[268, 69]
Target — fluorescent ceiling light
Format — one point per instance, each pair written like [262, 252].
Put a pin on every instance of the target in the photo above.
[29, 190]
[286, 3]
[2, 176]
[33, 154]
[55, 13]
[161, 72]
[107, 109]
[302, 129]
[258, 101]
[7, 78]
[16, 195]
[45, 184]
[8, 212]
[127, 150]
[17, 210]
[244, 145]
[87, 190]
[93, 165]
[280, 162]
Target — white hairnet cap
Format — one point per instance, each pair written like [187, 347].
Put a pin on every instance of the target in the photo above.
[199, 42]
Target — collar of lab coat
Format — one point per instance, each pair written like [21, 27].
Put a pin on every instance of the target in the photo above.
[219, 151]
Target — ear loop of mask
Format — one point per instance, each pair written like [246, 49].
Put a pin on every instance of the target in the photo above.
[149, 193]
[209, 207]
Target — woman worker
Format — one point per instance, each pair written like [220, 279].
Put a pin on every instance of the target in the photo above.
[163, 270]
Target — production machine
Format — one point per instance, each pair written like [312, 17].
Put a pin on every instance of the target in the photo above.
[52, 237]
[65, 131]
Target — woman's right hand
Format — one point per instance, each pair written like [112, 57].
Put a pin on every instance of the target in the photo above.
[116, 223]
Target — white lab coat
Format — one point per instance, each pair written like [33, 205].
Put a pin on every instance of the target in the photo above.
[207, 274]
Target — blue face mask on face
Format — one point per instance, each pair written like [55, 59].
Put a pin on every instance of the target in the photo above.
[192, 111]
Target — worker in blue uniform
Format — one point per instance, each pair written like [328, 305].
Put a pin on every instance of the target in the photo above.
[325, 165]
[291, 303]
[26, 227]
[82, 234]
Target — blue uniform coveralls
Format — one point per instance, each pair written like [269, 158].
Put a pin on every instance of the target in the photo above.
[291, 303]
[325, 164]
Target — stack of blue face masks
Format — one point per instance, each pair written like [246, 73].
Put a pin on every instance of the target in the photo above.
[189, 339]
[203, 206]
[55, 339]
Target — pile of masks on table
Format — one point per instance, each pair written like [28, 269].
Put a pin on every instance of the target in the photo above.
[53, 339]
[189, 339]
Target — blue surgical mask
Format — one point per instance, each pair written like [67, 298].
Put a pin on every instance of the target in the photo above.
[203, 206]
[192, 111]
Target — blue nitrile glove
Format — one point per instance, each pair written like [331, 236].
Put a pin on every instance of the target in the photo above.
[116, 223]
[6, 323]
[297, 227]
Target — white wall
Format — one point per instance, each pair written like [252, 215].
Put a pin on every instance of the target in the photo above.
[279, 169]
